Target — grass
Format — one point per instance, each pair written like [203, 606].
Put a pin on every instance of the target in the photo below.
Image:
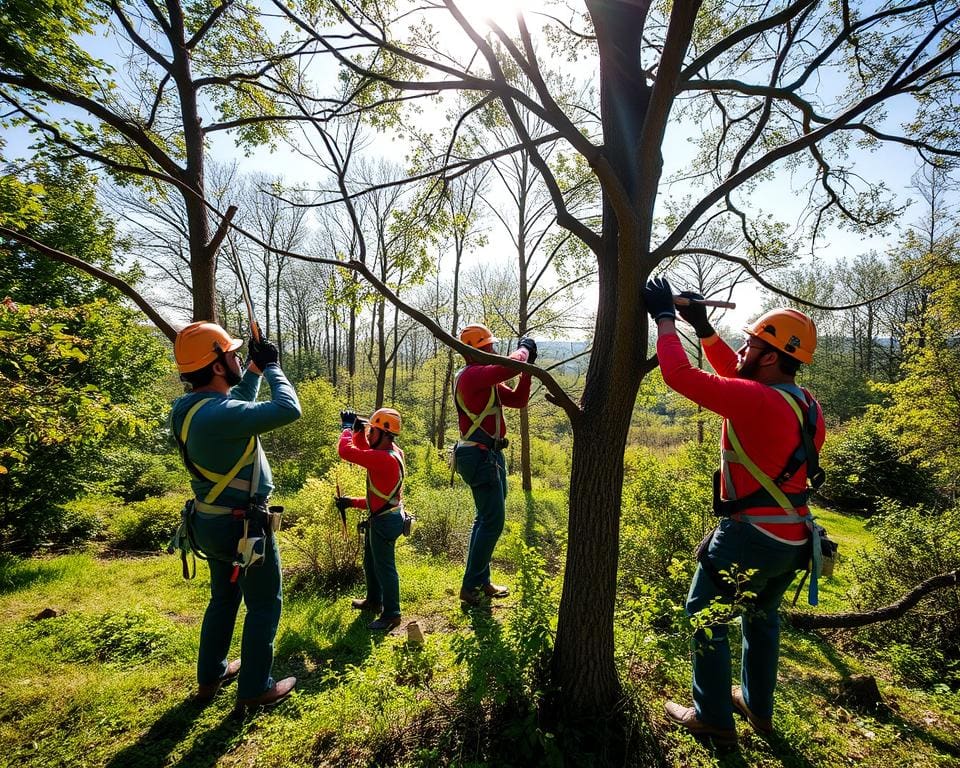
[108, 681]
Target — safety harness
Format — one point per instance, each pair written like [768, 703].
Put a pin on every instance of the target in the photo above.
[476, 434]
[392, 500]
[250, 549]
[770, 492]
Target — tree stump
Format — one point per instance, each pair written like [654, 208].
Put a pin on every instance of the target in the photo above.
[861, 692]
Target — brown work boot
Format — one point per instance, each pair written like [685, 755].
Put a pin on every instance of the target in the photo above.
[474, 598]
[686, 717]
[366, 605]
[384, 624]
[278, 692]
[762, 725]
[207, 691]
[495, 590]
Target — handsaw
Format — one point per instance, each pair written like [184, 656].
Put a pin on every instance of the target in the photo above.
[247, 299]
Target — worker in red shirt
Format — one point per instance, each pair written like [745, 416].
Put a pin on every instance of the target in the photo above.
[376, 451]
[771, 435]
[480, 392]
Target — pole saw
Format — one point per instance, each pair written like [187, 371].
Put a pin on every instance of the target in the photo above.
[247, 299]
[683, 301]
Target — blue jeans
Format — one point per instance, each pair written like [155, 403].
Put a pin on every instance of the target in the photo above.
[379, 561]
[486, 473]
[740, 547]
[259, 587]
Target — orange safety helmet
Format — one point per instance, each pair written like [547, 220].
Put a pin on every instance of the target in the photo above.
[198, 344]
[789, 330]
[386, 419]
[477, 336]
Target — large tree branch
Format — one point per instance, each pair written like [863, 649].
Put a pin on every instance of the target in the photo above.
[142, 44]
[126, 128]
[749, 268]
[208, 24]
[108, 277]
[805, 620]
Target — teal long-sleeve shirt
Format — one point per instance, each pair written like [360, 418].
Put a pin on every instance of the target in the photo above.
[220, 430]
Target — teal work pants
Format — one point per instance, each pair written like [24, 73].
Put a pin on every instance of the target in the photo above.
[736, 548]
[486, 473]
[380, 563]
[259, 587]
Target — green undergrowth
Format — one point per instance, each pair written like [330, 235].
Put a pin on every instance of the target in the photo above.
[97, 658]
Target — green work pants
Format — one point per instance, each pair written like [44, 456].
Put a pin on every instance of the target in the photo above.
[380, 563]
[259, 587]
[485, 472]
[736, 548]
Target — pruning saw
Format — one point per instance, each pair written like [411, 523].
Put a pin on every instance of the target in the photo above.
[247, 299]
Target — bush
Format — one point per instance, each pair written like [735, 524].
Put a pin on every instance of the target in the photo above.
[126, 638]
[443, 520]
[912, 545]
[667, 508]
[864, 464]
[145, 525]
[135, 475]
[325, 556]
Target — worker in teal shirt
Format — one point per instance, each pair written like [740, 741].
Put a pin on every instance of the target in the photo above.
[217, 424]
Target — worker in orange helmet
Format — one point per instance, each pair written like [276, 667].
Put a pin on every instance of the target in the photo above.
[374, 448]
[480, 392]
[770, 440]
[217, 426]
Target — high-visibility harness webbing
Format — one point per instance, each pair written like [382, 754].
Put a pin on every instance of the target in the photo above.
[392, 499]
[492, 408]
[250, 455]
[739, 456]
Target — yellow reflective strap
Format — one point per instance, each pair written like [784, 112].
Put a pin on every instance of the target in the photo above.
[220, 481]
[768, 485]
[389, 498]
[492, 408]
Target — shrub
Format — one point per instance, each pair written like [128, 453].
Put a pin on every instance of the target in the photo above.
[443, 520]
[912, 545]
[666, 510]
[135, 475]
[126, 638]
[145, 525]
[325, 555]
[864, 464]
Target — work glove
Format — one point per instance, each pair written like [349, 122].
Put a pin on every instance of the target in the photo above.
[262, 353]
[531, 346]
[696, 315]
[658, 296]
[347, 419]
[342, 503]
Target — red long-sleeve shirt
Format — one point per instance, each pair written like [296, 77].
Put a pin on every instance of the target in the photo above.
[474, 383]
[765, 423]
[383, 469]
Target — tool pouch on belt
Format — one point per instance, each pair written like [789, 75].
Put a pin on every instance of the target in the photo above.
[407, 522]
[828, 551]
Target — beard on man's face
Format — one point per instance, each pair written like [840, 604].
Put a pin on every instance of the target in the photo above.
[748, 369]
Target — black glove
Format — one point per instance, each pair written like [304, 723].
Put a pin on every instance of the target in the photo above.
[531, 346]
[342, 503]
[696, 315]
[658, 296]
[262, 353]
[347, 419]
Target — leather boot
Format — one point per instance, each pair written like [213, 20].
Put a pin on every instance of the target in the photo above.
[366, 605]
[384, 624]
[762, 725]
[686, 717]
[474, 598]
[207, 691]
[278, 692]
[495, 590]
